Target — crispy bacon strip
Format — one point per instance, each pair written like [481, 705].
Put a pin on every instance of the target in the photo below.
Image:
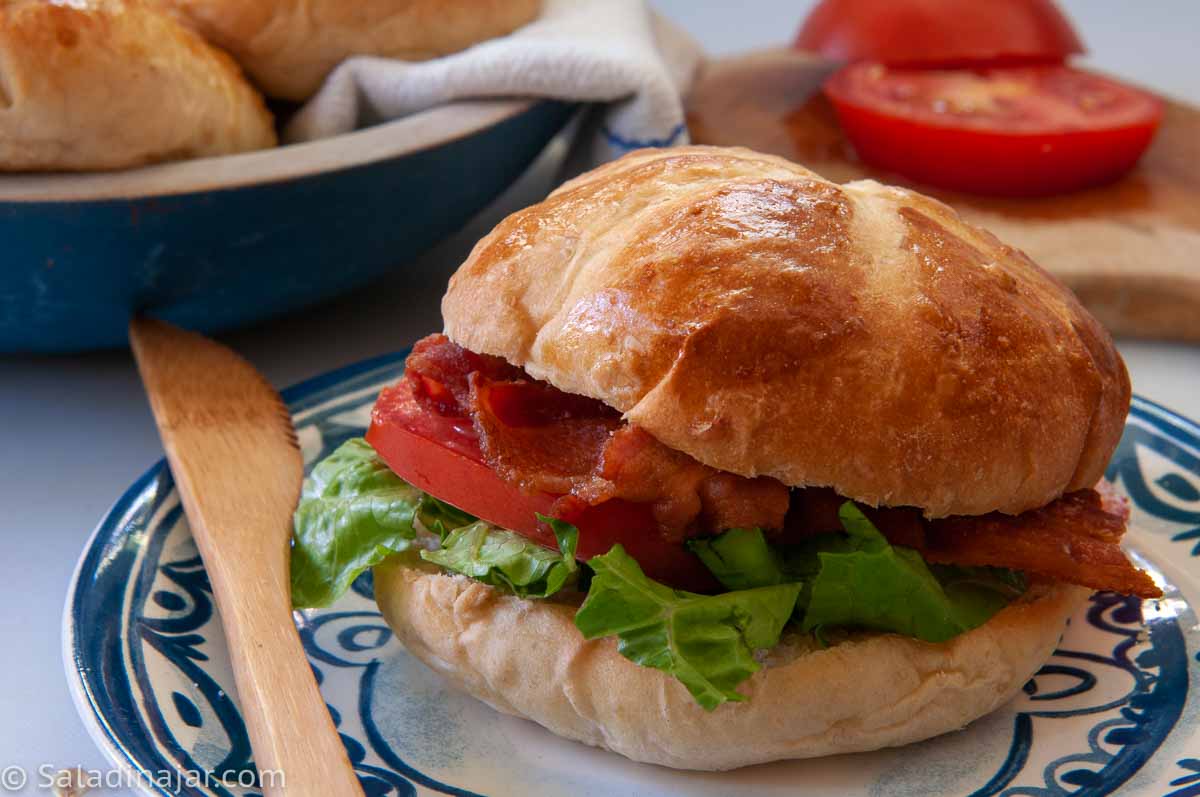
[1076, 539]
[538, 438]
[541, 439]
[688, 498]
[443, 368]
[537, 444]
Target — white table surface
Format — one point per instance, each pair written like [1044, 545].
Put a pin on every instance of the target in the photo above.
[77, 430]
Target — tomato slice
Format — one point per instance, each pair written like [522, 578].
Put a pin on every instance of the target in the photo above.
[440, 455]
[1017, 131]
[939, 32]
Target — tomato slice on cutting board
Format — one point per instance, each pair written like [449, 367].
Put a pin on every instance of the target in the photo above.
[943, 33]
[1017, 131]
[440, 455]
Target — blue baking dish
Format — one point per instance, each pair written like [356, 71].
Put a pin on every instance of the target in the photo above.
[215, 243]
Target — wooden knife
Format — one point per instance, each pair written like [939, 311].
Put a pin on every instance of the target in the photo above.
[233, 453]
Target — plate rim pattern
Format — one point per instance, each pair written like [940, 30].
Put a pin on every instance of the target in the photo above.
[146, 496]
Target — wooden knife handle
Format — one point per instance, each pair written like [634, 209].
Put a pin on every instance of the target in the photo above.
[243, 541]
[296, 747]
[233, 453]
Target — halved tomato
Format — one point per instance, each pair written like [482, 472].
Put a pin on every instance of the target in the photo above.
[939, 32]
[1017, 131]
[440, 455]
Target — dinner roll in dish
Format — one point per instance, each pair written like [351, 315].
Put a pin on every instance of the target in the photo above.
[769, 322]
[108, 84]
[289, 46]
[866, 691]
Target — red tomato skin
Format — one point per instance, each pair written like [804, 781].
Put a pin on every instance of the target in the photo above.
[991, 162]
[455, 479]
[475, 488]
[939, 32]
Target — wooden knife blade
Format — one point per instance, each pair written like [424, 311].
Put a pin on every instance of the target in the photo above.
[232, 450]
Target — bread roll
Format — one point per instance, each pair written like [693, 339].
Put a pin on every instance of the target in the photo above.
[106, 84]
[289, 46]
[767, 321]
[526, 658]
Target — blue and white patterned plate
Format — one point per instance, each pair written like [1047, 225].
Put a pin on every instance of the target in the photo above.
[1117, 708]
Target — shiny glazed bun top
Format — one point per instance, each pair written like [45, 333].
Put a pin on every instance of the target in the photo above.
[767, 321]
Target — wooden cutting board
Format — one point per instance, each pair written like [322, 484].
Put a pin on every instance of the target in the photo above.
[1130, 250]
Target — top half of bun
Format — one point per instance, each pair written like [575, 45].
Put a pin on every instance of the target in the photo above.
[765, 320]
[289, 46]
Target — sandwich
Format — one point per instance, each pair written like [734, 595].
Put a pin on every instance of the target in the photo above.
[718, 462]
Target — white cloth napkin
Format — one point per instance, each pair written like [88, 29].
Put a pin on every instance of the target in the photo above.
[610, 51]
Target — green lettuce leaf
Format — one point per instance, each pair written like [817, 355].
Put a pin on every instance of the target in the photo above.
[353, 513]
[507, 560]
[865, 582]
[741, 559]
[439, 517]
[705, 641]
[859, 579]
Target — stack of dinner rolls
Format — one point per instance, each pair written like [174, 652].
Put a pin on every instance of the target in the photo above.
[88, 85]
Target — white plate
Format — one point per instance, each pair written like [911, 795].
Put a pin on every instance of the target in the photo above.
[1115, 709]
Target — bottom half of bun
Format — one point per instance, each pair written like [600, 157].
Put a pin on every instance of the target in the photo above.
[863, 692]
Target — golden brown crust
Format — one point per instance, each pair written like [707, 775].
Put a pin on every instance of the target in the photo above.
[526, 658]
[107, 84]
[769, 322]
[289, 46]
